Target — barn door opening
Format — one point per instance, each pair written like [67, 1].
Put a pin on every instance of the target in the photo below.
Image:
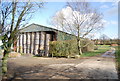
[49, 36]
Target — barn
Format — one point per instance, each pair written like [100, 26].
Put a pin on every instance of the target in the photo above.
[34, 39]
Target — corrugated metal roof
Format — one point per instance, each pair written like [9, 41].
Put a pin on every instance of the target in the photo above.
[35, 27]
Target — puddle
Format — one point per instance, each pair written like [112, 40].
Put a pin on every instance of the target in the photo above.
[109, 54]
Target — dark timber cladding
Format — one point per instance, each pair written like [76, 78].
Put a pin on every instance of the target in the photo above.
[35, 39]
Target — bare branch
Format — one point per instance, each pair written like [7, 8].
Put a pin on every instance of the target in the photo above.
[82, 19]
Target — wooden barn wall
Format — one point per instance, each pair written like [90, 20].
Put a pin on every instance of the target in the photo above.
[61, 36]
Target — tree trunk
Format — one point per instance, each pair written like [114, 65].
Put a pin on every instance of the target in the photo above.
[4, 61]
[7, 49]
[79, 46]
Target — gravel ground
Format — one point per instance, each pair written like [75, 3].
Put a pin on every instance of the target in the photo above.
[101, 67]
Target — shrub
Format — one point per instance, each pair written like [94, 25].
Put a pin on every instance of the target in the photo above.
[68, 48]
[87, 45]
[62, 48]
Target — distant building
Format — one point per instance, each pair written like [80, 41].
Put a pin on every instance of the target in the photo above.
[35, 38]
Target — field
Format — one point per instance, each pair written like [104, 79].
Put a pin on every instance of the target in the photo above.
[101, 49]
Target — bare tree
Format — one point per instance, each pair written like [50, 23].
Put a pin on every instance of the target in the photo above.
[80, 19]
[14, 15]
[104, 39]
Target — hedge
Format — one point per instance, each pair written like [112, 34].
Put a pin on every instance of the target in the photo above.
[68, 48]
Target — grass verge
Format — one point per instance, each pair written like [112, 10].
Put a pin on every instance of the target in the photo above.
[118, 59]
[101, 49]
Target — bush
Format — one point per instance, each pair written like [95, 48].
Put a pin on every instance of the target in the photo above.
[68, 48]
[87, 45]
[63, 48]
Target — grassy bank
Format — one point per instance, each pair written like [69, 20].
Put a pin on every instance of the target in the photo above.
[101, 49]
[0, 62]
[118, 59]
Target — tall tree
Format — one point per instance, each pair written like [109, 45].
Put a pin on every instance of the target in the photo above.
[14, 15]
[80, 19]
[104, 39]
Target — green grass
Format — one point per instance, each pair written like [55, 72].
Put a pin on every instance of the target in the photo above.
[101, 49]
[118, 59]
[118, 53]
